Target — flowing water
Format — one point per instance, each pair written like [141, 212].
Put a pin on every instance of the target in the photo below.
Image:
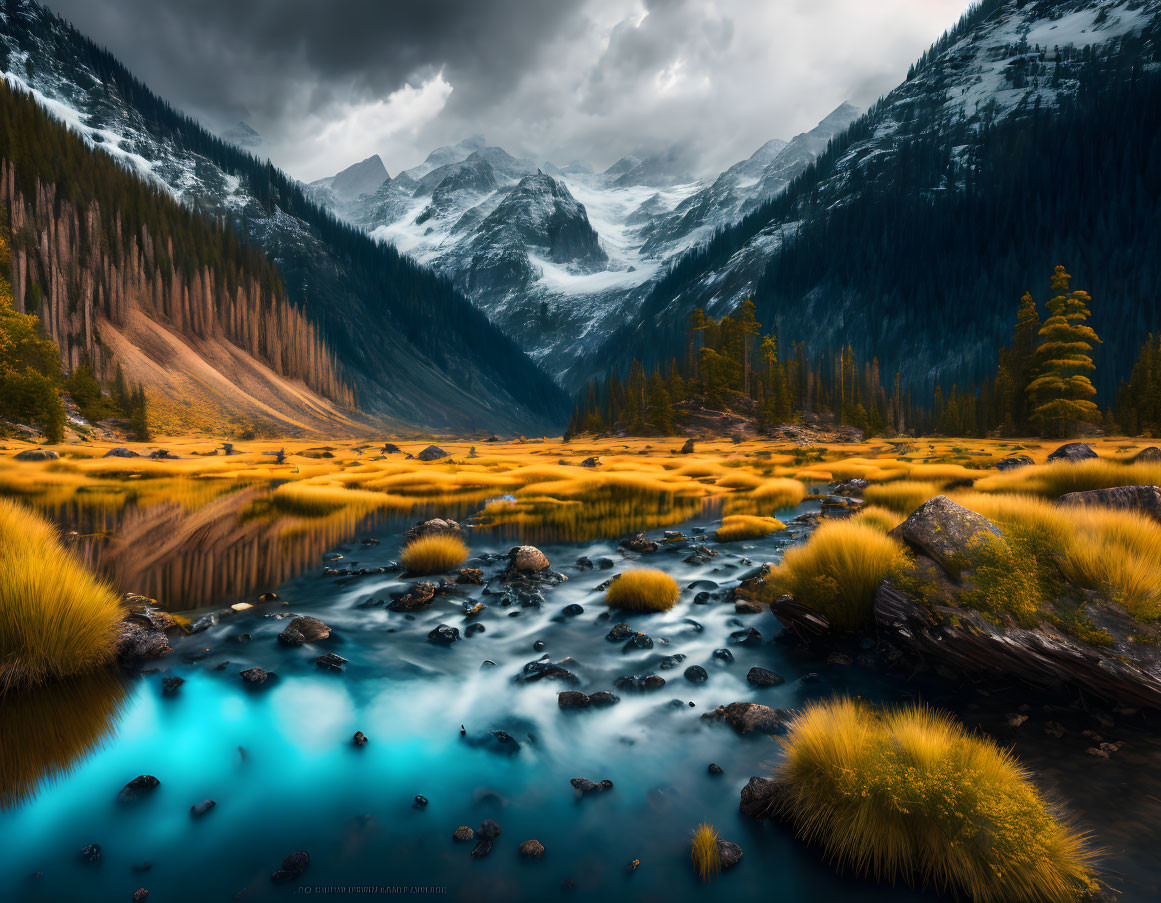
[279, 762]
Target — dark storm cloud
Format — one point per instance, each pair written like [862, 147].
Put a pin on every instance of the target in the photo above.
[198, 50]
[327, 83]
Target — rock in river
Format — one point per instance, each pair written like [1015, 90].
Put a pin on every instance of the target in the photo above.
[304, 630]
[573, 699]
[750, 717]
[762, 677]
[199, 809]
[444, 635]
[696, 674]
[137, 789]
[531, 849]
[292, 867]
[141, 635]
[526, 560]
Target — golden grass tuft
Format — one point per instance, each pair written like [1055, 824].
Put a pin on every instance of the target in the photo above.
[434, 554]
[56, 618]
[883, 519]
[738, 527]
[1117, 554]
[643, 590]
[706, 856]
[838, 570]
[780, 492]
[1054, 480]
[908, 794]
[903, 496]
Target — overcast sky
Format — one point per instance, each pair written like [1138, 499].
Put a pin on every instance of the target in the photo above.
[329, 82]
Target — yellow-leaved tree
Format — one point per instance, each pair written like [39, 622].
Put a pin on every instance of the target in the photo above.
[1060, 395]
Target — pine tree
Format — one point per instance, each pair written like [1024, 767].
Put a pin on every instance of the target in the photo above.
[1061, 392]
[659, 404]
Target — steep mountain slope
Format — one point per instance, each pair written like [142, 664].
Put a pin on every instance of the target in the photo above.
[413, 349]
[559, 258]
[1027, 136]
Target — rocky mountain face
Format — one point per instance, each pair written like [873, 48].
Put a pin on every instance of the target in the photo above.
[413, 350]
[559, 257]
[358, 179]
[914, 235]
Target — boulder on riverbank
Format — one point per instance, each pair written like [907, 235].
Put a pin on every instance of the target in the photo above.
[931, 610]
[944, 531]
[141, 635]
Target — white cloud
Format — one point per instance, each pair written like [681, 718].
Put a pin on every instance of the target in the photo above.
[388, 127]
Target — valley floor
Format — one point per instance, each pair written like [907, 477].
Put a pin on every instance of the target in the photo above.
[785, 558]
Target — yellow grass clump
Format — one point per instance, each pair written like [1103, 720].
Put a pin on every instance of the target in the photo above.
[737, 527]
[1054, 480]
[837, 571]
[908, 794]
[706, 856]
[780, 492]
[903, 496]
[56, 618]
[880, 518]
[1117, 554]
[434, 553]
[643, 590]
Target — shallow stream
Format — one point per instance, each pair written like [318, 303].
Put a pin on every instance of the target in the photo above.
[279, 762]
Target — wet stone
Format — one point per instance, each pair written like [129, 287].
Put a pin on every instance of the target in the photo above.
[763, 677]
[644, 682]
[543, 669]
[584, 786]
[255, 676]
[443, 635]
[292, 867]
[604, 698]
[473, 629]
[463, 833]
[197, 810]
[640, 641]
[360, 739]
[696, 674]
[619, 632]
[420, 802]
[331, 662]
[715, 768]
[572, 610]
[137, 789]
[170, 685]
[302, 630]
[573, 699]
[748, 637]
[724, 655]
[531, 849]
[91, 853]
[669, 662]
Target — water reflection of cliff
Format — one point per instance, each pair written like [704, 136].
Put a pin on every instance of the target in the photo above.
[47, 730]
[217, 552]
